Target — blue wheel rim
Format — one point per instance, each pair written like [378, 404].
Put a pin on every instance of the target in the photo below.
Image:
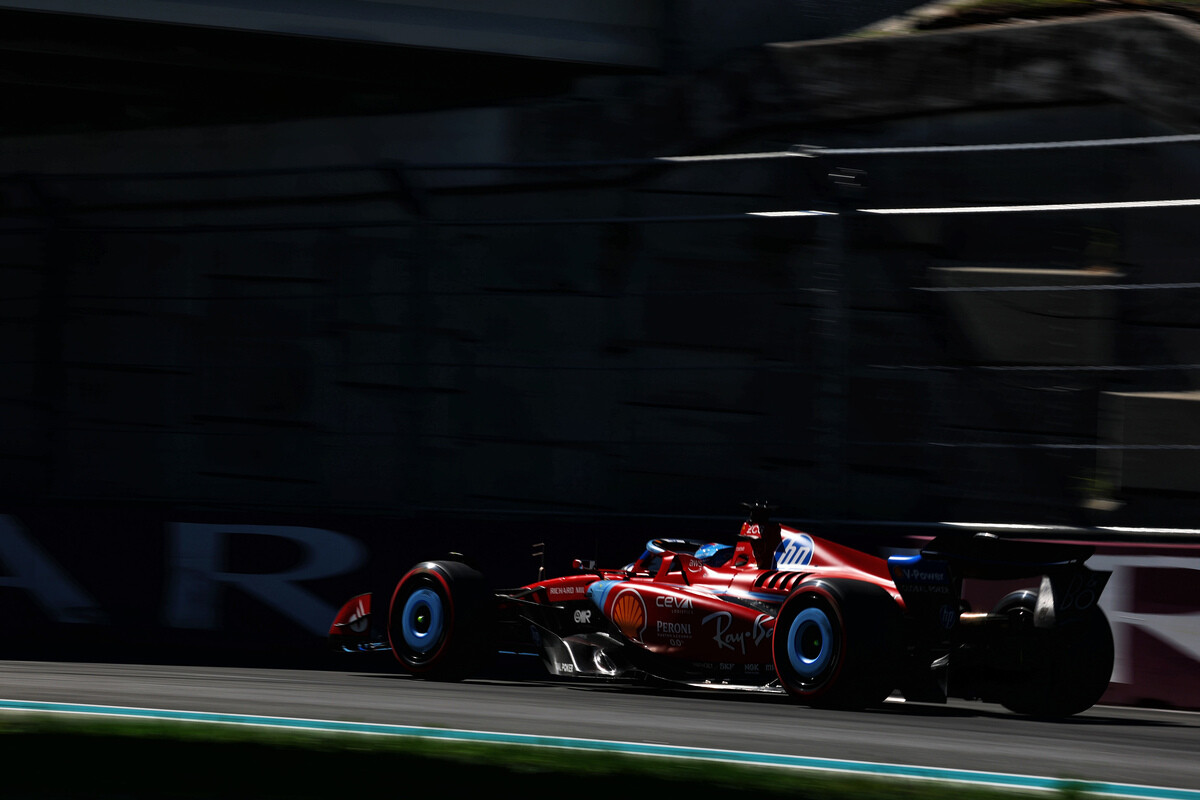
[810, 643]
[422, 620]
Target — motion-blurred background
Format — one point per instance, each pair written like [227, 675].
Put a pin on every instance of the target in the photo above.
[310, 289]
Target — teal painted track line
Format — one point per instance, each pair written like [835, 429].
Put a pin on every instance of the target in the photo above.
[868, 769]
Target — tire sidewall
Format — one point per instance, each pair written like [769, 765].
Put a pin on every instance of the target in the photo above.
[1072, 663]
[869, 625]
[425, 577]
[811, 605]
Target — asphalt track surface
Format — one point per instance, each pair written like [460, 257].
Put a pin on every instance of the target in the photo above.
[1109, 744]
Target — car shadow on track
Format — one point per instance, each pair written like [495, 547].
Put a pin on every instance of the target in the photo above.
[895, 706]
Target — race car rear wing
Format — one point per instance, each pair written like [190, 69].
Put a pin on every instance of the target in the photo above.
[931, 583]
[987, 556]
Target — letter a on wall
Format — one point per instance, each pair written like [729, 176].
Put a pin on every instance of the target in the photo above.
[30, 568]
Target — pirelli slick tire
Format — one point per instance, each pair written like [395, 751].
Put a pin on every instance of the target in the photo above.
[1069, 666]
[837, 643]
[440, 621]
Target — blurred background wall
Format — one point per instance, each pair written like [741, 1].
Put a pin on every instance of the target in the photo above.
[224, 289]
[414, 273]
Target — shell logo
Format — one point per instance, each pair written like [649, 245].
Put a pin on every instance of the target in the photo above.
[629, 613]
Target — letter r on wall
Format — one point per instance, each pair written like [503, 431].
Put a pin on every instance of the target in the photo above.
[197, 563]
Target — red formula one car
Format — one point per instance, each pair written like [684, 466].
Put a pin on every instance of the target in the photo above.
[780, 609]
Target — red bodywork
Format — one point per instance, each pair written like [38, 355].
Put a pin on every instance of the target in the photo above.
[780, 609]
[676, 605]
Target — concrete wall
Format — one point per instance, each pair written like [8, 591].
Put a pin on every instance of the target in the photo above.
[324, 324]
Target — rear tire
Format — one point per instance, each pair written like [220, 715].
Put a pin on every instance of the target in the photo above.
[440, 621]
[837, 643]
[1071, 664]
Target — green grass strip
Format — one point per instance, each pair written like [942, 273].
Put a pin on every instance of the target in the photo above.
[53, 756]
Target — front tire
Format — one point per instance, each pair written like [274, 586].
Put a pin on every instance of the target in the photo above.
[439, 621]
[836, 643]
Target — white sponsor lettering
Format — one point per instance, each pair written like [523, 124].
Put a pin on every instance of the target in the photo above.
[682, 603]
[918, 575]
[737, 641]
[583, 616]
[675, 628]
